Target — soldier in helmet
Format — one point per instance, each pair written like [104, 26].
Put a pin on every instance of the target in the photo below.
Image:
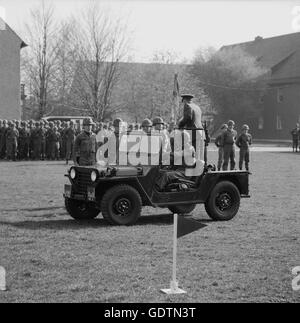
[37, 140]
[70, 135]
[158, 126]
[2, 138]
[24, 138]
[43, 139]
[219, 145]
[31, 127]
[295, 137]
[85, 145]
[63, 143]
[12, 135]
[147, 126]
[244, 141]
[227, 141]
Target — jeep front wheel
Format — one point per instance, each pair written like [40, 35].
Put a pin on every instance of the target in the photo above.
[81, 210]
[182, 209]
[121, 205]
[223, 202]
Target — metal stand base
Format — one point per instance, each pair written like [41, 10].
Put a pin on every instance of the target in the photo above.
[173, 289]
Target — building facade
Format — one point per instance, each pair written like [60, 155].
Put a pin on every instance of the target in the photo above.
[10, 87]
[280, 102]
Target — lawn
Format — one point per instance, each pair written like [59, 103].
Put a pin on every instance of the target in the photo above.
[51, 258]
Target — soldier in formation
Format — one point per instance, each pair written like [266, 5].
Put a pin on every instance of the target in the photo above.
[295, 137]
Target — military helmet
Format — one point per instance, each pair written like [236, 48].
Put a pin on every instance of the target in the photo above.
[88, 122]
[158, 120]
[51, 124]
[116, 122]
[230, 123]
[146, 123]
[245, 127]
[224, 126]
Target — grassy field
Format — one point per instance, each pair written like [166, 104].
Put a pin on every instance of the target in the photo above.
[51, 258]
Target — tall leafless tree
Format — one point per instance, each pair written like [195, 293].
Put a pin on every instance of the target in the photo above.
[100, 42]
[40, 57]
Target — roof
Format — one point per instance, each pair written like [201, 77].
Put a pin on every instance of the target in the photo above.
[7, 27]
[280, 54]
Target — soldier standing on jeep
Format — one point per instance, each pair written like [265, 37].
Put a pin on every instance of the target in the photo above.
[85, 145]
[227, 141]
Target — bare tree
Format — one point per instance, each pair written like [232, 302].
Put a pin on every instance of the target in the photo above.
[40, 57]
[100, 42]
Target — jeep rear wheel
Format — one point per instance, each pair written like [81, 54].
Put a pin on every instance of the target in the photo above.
[81, 210]
[121, 205]
[182, 209]
[223, 202]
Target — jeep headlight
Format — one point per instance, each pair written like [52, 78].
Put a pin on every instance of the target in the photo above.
[94, 176]
[73, 173]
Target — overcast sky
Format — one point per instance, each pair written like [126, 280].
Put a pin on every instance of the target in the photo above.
[180, 26]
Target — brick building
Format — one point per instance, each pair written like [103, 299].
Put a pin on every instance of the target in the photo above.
[280, 104]
[10, 88]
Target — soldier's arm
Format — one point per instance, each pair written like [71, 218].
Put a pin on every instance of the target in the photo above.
[250, 140]
[238, 141]
[217, 141]
[77, 149]
[187, 116]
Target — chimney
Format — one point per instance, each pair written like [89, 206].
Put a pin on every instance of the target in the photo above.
[258, 38]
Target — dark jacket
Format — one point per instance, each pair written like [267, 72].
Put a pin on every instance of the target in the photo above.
[85, 149]
[191, 116]
[244, 140]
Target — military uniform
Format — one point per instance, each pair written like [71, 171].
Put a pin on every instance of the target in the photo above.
[218, 143]
[70, 135]
[24, 141]
[37, 140]
[295, 136]
[243, 142]
[85, 146]
[227, 141]
[12, 135]
[3, 130]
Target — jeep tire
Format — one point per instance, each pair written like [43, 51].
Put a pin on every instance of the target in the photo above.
[81, 210]
[121, 205]
[182, 209]
[223, 202]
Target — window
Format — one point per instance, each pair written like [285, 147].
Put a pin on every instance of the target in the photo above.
[278, 123]
[260, 123]
[280, 96]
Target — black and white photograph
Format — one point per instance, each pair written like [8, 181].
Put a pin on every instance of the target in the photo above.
[149, 154]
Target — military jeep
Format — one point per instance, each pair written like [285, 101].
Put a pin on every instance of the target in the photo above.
[120, 192]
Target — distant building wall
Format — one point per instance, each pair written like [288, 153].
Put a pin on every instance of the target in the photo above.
[9, 75]
[280, 113]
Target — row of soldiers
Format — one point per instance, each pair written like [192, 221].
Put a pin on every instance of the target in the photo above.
[43, 140]
[36, 140]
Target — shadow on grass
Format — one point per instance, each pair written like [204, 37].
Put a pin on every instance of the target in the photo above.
[33, 209]
[160, 219]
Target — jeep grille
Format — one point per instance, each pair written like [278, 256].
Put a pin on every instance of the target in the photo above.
[82, 181]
